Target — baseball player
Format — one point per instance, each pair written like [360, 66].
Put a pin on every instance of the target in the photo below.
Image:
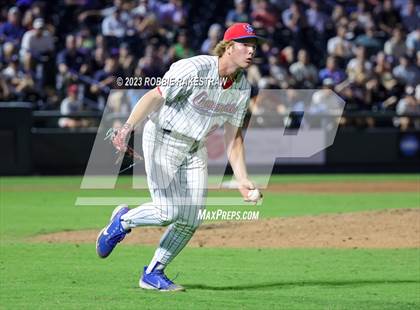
[181, 115]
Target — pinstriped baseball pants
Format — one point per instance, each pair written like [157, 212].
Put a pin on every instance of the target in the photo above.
[177, 181]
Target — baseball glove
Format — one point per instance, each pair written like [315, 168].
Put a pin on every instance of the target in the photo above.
[119, 138]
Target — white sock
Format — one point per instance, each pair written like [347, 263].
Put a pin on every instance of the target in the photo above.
[154, 265]
[125, 225]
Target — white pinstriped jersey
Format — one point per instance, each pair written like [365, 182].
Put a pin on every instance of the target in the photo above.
[195, 111]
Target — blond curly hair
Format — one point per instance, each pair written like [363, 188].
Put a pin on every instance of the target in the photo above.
[221, 47]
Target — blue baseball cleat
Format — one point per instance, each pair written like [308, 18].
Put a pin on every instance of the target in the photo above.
[112, 233]
[157, 280]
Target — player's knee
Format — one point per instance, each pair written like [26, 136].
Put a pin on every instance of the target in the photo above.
[167, 217]
[186, 229]
[193, 225]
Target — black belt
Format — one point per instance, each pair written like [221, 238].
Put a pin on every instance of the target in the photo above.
[194, 147]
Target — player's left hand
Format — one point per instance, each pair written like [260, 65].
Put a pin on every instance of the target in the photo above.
[249, 191]
[120, 140]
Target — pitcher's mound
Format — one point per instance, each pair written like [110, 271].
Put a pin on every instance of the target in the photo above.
[398, 228]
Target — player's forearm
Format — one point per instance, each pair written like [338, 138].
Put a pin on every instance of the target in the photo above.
[236, 156]
[150, 102]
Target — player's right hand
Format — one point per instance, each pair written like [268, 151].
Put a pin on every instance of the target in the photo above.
[120, 139]
[249, 191]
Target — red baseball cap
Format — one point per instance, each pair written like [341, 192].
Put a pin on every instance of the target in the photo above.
[240, 31]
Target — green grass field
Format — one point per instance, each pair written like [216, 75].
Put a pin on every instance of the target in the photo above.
[70, 276]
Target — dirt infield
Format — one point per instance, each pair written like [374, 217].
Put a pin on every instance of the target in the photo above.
[399, 228]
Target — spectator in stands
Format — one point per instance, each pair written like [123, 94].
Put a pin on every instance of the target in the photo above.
[104, 80]
[36, 43]
[294, 17]
[317, 18]
[181, 49]
[107, 75]
[382, 65]
[332, 72]
[142, 9]
[85, 41]
[377, 96]
[171, 14]
[362, 16]
[294, 20]
[268, 110]
[113, 25]
[37, 8]
[393, 88]
[10, 78]
[12, 69]
[213, 37]
[20, 85]
[98, 59]
[7, 53]
[28, 19]
[99, 41]
[238, 14]
[4, 90]
[413, 42]
[396, 46]
[339, 45]
[148, 29]
[124, 6]
[287, 56]
[118, 102]
[353, 96]
[359, 65]
[406, 73]
[324, 101]
[276, 76]
[25, 89]
[126, 60]
[418, 59]
[69, 62]
[151, 64]
[294, 101]
[264, 15]
[70, 105]
[350, 25]
[12, 31]
[303, 71]
[388, 17]
[359, 75]
[369, 41]
[337, 13]
[409, 104]
[410, 15]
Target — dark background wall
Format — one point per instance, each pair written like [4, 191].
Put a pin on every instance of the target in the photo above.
[27, 150]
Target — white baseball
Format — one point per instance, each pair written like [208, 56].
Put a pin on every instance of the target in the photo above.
[254, 194]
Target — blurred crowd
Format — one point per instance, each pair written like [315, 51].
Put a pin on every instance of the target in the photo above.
[66, 56]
